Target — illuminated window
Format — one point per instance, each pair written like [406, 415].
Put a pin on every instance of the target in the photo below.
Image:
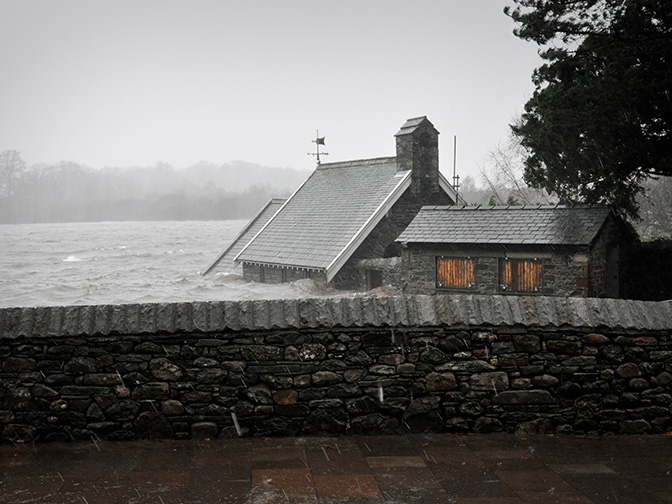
[455, 273]
[520, 275]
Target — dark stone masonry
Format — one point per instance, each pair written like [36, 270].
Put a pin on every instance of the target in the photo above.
[359, 365]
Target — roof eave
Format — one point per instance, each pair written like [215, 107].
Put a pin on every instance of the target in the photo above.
[448, 188]
[359, 237]
[249, 224]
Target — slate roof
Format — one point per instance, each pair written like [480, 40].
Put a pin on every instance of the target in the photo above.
[324, 221]
[224, 261]
[529, 225]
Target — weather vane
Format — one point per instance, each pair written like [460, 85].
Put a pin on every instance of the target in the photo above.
[318, 141]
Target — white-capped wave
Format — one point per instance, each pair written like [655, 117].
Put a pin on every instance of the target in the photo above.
[72, 258]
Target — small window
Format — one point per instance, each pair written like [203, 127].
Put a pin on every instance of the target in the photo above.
[374, 279]
[455, 273]
[520, 275]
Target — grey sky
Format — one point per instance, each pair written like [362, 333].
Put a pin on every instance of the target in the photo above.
[122, 83]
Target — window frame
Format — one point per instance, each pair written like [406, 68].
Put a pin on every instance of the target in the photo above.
[516, 268]
[467, 269]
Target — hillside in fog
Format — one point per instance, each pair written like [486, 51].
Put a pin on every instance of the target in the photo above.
[70, 192]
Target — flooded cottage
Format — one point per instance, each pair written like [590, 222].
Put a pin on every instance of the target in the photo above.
[545, 250]
[348, 212]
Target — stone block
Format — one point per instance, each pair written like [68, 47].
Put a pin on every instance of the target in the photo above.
[640, 426]
[20, 433]
[40, 390]
[204, 430]
[374, 424]
[18, 364]
[211, 376]
[80, 365]
[391, 359]
[259, 394]
[452, 344]
[628, 370]
[147, 347]
[59, 405]
[95, 413]
[494, 382]
[286, 396]
[152, 390]
[595, 339]
[381, 369]
[152, 425]
[323, 378]
[485, 425]
[312, 352]
[638, 384]
[362, 405]
[433, 355]
[102, 379]
[326, 421]
[563, 347]
[545, 381]
[524, 397]
[440, 382]
[165, 370]
[582, 361]
[472, 366]
[483, 337]
[263, 353]
[526, 343]
[124, 410]
[83, 391]
[171, 407]
[644, 341]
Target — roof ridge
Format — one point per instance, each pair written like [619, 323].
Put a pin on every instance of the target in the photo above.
[355, 162]
[581, 206]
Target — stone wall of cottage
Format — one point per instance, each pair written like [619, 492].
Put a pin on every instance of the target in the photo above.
[336, 366]
[276, 275]
[563, 272]
[380, 242]
[607, 262]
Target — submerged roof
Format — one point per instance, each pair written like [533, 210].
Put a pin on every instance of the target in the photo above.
[225, 260]
[329, 216]
[529, 225]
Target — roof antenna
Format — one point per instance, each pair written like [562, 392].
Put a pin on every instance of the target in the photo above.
[456, 177]
[318, 141]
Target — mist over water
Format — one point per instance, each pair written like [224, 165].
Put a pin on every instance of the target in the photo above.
[126, 262]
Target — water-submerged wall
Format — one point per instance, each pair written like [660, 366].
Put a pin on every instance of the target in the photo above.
[336, 366]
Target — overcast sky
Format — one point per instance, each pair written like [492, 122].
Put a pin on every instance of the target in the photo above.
[124, 83]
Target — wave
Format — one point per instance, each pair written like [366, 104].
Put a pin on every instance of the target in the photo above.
[72, 258]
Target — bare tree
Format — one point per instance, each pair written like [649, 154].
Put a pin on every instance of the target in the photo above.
[503, 175]
[11, 167]
[655, 208]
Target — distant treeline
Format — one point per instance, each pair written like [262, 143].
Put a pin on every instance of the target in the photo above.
[69, 192]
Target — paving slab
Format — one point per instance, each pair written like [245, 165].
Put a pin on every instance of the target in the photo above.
[413, 468]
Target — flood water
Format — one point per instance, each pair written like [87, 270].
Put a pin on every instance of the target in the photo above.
[126, 262]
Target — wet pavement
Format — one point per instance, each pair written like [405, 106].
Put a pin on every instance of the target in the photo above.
[422, 468]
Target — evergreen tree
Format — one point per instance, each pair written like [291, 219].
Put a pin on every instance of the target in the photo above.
[600, 120]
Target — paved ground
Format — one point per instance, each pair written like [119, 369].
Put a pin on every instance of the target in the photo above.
[435, 468]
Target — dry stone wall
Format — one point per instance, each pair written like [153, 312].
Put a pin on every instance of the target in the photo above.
[336, 366]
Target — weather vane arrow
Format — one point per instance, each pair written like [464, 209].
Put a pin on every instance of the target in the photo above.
[318, 141]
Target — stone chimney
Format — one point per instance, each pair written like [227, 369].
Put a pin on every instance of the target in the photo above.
[418, 151]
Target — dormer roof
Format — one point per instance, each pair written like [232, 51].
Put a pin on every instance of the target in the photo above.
[413, 124]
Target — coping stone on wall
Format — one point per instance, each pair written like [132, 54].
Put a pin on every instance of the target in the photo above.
[356, 311]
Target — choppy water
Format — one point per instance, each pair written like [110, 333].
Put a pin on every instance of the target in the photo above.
[125, 262]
